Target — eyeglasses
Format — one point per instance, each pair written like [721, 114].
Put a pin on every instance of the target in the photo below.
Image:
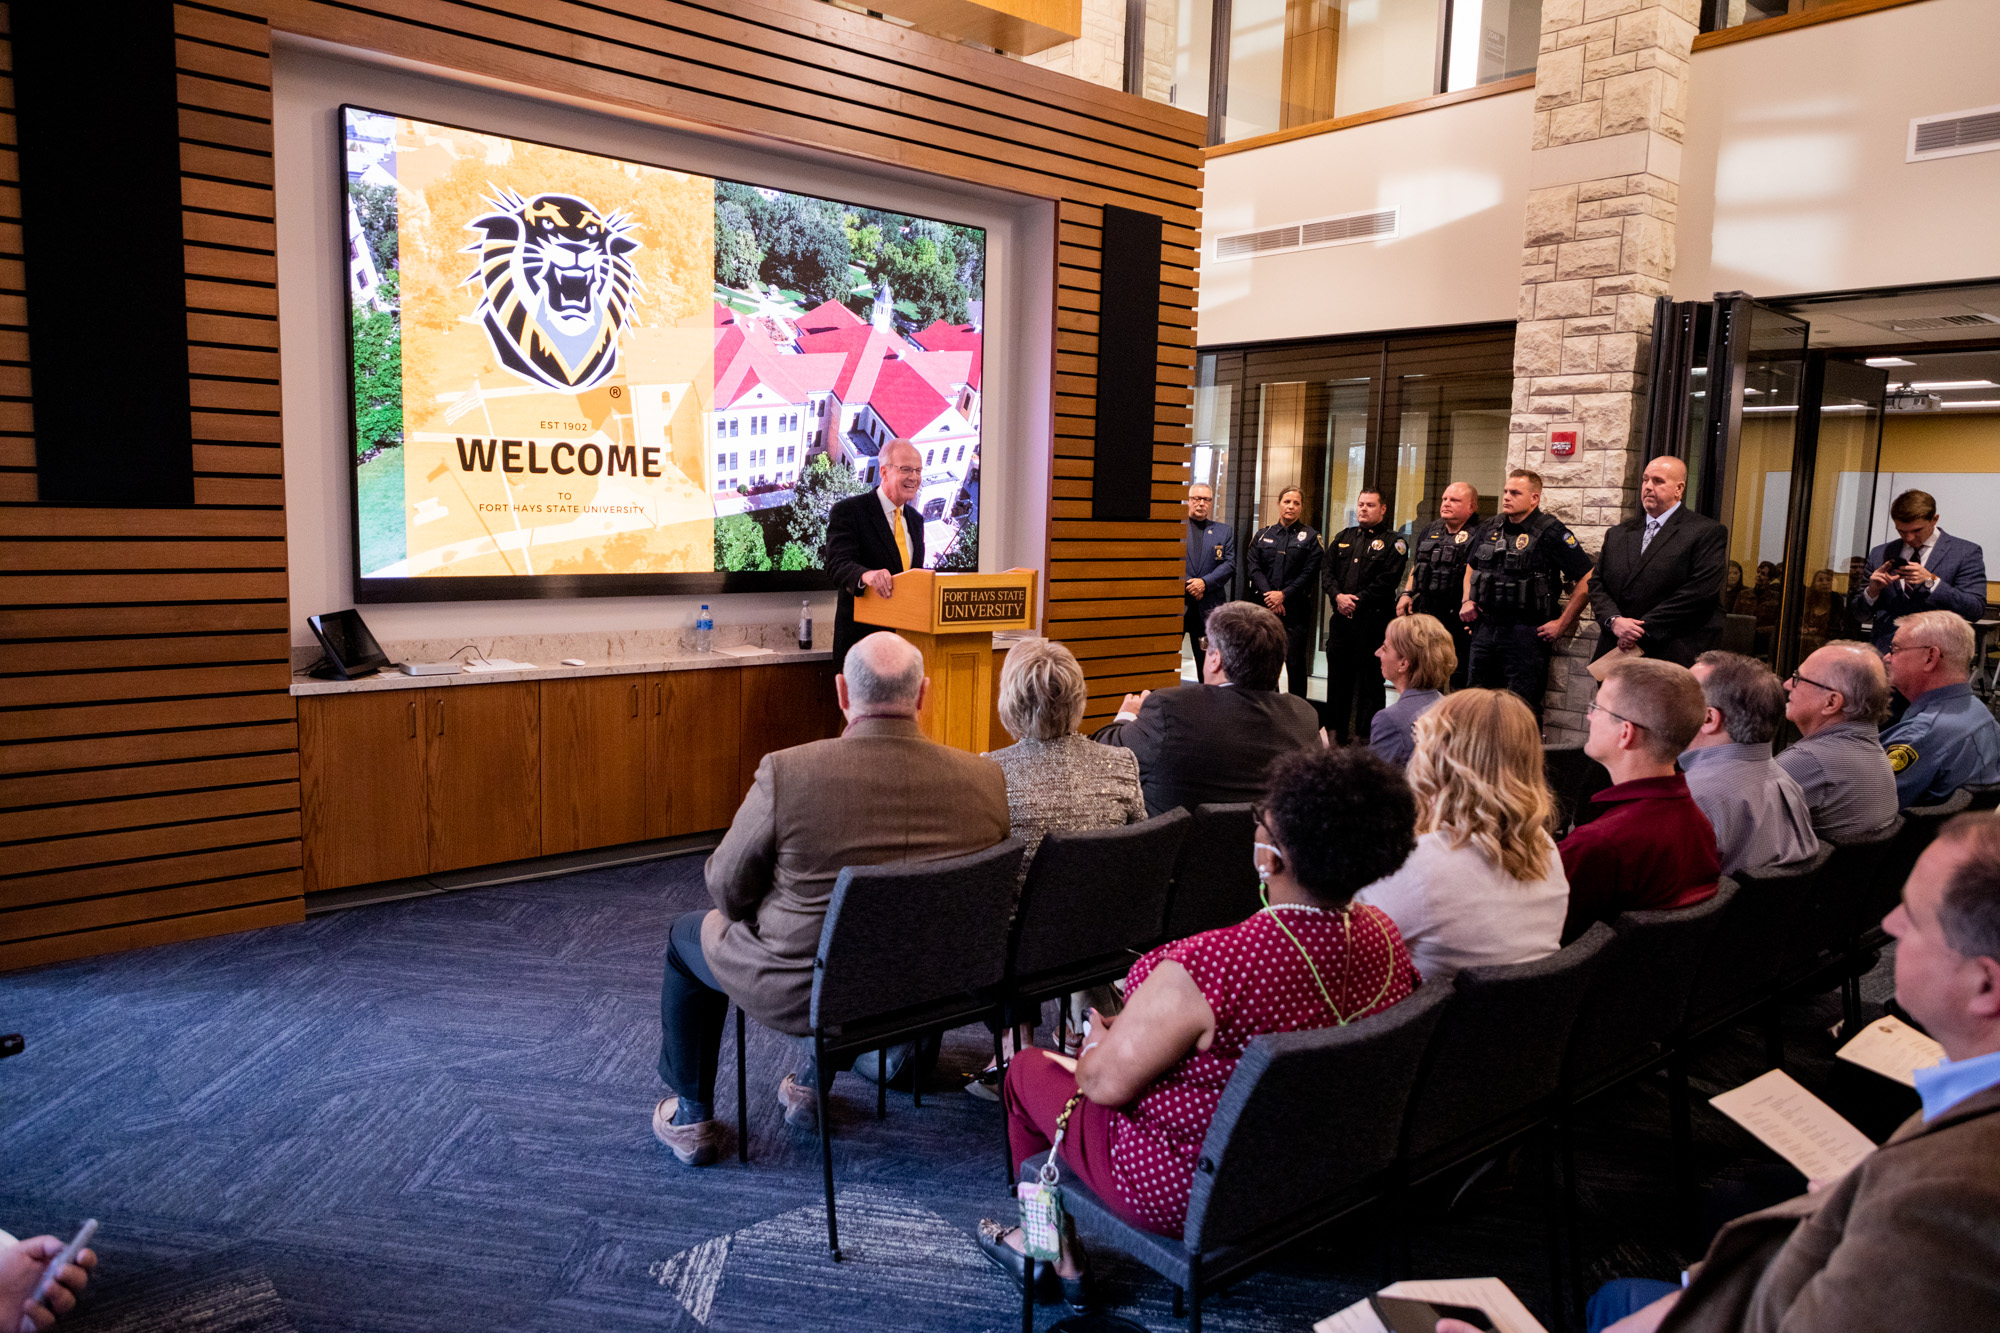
[1895, 648]
[1798, 679]
[1596, 707]
[905, 471]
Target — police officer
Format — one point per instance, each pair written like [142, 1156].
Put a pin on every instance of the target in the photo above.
[1284, 571]
[1436, 584]
[1364, 564]
[1513, 586]
[1211, 564]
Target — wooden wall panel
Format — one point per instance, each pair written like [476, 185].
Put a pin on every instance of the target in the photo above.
[148, 753]
[141, 650]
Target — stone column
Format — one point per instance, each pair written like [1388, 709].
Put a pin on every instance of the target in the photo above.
[1610, 100]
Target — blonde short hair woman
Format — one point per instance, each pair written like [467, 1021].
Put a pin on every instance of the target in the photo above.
[1485, 884]
[1417, 657]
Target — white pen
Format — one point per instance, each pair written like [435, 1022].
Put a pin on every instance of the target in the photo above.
[63, 1260]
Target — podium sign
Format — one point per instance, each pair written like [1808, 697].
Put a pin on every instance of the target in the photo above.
[951, 619]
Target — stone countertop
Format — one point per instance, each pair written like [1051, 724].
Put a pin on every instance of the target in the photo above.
[670, 659]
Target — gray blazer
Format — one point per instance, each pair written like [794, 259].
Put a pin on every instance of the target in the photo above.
[1393, 734]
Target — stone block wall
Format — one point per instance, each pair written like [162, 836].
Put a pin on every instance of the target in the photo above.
[1099, 54]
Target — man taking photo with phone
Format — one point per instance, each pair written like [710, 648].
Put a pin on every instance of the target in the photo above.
[1926, 569]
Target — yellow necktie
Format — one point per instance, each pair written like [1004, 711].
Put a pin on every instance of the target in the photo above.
[902, 538]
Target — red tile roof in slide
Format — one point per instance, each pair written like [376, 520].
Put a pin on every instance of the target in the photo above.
[909, 388]
[939, 336]
[904, 399]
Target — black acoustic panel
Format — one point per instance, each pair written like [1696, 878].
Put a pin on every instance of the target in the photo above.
[1128, 360]
[99, 135]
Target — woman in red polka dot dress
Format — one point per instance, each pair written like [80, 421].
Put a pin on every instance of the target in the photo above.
[1147, 1085]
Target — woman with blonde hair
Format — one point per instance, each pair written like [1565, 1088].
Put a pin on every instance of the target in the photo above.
[1417, 657]
[1485, 884]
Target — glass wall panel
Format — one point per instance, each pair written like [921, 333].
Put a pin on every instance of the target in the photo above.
[1214, 414]
[1716, 14]
[1194, 32]
[1296, 62]
[1491, 40]
[1844, 482]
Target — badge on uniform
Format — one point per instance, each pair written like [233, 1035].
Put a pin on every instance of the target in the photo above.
[1218, 553]
[1460, 538]
[1521, 542]
[1343, 546]
[1902, 756]
[1375, 545]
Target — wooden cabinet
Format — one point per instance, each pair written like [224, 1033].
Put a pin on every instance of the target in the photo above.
[696, 736]
[594, 752]
[361, 774]
[482, 774]
[783, 706]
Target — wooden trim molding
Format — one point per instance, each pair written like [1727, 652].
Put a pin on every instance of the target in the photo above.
[1840, 9]
[1513, 85]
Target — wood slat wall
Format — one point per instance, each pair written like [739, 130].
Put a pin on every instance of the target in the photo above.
[148, 749]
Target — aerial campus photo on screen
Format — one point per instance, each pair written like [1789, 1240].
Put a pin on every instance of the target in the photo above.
[566, 364]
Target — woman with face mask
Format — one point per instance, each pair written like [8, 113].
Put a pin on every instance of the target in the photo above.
[1136, 1104]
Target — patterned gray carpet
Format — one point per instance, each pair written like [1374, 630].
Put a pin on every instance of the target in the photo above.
[433, 1115]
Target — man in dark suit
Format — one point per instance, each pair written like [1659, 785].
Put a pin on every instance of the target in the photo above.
[1211, 564]
[1926, 570]
[871, 537]
[1659, 577]
[1213, 741]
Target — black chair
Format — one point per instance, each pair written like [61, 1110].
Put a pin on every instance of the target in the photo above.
[1827, 950]
[908, 949]
[1920, 825]
[1215, 881]
[1495, 1062]
[1093, 901]
[1756, 938]
[1306, 1133]
[1985, 795]
[1574, 777]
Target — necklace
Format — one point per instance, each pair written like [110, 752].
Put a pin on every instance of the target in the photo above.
[1347, 954]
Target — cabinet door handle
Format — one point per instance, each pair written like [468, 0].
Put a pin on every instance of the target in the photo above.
[413, 719]
[658, 692]
[635, 698]
[440, 717]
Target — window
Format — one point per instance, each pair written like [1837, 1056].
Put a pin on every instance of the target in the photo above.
[732, 462]
[930, 456]
[961, 453]
[721, 461]
[732, 428]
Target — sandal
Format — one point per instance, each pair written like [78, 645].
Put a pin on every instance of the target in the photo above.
[993, 1244]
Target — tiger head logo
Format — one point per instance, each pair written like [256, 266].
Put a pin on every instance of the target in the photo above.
[557, 286]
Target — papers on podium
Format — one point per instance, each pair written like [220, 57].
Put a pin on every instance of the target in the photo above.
[1486, 1293]
[1893, 1049]
[1796, 1125]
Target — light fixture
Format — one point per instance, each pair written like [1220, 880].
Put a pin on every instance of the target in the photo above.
[1932, 386]
[1979, 402]
[1887, 361]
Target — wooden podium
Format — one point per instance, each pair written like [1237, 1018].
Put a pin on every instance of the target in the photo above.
[951, 619]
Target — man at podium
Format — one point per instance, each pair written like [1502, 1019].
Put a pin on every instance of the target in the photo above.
[871, 538]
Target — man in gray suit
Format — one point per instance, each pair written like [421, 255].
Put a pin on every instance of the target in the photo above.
[880, 792]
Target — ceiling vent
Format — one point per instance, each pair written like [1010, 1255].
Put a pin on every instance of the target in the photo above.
[1954, 134]
[1933, 324]
[1375, 225]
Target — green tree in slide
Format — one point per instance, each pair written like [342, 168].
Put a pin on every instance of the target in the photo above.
[822, 485]
[963, 557]
[378, 374]
[739, 544]
[737, 254]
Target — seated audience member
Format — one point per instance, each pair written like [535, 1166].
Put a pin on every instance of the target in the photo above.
[881, 792]
[1148, 1083]
[1417, 657]
[1947, 737]
[1212, 742]
[1485, 884]
[1757, 811]
[1652, 847]
[1910, 1237]
[1837, 698]
[22, 1263]
[1057, 778]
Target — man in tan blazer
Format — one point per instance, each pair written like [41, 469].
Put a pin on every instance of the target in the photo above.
[881, 792]
[1910, 1237]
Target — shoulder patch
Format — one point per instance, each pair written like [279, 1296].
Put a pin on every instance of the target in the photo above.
[1569, 539]
[1901, 756]
[1401, 547]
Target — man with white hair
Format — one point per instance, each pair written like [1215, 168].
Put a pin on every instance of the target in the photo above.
[1837, 699]
[881, 792]
[1947, 738]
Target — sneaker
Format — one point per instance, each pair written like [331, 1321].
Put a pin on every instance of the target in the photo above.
[801, 1106]
[699, 1144]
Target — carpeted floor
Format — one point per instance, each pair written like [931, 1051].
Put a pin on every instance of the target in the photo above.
[433, 1115]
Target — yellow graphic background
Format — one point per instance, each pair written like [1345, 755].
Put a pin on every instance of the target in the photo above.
[463, 523]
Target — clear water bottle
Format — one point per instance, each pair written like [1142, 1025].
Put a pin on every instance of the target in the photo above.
[704, 631]
[806, 625]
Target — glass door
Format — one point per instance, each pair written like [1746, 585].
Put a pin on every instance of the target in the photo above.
[1834, 481]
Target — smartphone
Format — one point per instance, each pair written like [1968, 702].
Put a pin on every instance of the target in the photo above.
[1400, 1314]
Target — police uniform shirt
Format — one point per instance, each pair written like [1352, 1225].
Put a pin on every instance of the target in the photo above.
[1556, 552]
[1367, 562]
[1945, 740]
[1439, 548]
[1284, 560]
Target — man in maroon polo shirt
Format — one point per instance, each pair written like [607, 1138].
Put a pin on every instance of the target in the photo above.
[1652, 846]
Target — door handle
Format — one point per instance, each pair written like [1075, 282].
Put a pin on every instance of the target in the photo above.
[440, 717]
[413, 719]
[635, 698]
[659, 692]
